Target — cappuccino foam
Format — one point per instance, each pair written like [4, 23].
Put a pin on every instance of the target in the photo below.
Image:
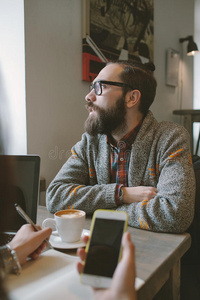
[71, 215]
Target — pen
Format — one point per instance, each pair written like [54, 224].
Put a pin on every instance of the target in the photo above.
[22, 213]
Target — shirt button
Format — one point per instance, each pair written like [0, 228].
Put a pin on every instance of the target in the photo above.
[121, 159]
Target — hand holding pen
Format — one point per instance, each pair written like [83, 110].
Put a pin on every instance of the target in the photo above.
[29, 243]
[29, 221]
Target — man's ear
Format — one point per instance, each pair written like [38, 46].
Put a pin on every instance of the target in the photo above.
[132, 98]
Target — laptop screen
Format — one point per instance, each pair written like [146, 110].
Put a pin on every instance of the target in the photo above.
[24, 188]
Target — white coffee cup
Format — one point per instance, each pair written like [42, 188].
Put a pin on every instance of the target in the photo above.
[69, 223]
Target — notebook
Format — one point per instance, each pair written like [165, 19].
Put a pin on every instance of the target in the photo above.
[24, 190]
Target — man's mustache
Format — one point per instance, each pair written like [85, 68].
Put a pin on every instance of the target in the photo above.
[90, 104]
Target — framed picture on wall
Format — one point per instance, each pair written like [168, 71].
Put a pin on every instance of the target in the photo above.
[115, 30]
[172, 67]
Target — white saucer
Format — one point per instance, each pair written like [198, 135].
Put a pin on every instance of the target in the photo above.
[56, 241]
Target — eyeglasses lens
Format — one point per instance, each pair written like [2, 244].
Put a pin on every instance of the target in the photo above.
[97, 88]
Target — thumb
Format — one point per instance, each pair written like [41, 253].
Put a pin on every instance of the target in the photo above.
[128, 247]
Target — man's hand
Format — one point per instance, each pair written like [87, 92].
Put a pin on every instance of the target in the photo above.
[138, 193]
[28, 242]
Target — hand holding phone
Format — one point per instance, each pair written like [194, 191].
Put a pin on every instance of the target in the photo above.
[104, 247]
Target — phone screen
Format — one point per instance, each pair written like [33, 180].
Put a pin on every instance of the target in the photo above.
[104, 249]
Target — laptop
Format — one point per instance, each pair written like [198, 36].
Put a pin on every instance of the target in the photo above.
[24, 190]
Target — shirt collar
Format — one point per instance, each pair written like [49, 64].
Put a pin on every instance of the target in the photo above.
[128, 139]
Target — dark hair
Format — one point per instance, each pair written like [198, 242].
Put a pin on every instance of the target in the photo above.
[140, 77]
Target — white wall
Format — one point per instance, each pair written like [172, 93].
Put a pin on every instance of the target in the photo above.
[12, 75]
[54, 88]
[173, 19]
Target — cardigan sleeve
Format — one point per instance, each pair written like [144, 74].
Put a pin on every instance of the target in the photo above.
[76, 184]
[172, 209]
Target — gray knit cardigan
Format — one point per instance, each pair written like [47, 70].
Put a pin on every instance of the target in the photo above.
[160, 157]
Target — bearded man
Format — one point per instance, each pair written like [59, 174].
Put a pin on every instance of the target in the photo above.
[126, 160]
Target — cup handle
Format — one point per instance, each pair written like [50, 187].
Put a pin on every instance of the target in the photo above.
[49, 222]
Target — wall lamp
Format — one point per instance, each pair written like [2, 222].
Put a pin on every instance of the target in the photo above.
[192, 48]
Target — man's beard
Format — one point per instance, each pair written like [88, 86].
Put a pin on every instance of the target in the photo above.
[106, 121]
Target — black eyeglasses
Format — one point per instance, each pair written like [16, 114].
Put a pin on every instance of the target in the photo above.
[97, 85]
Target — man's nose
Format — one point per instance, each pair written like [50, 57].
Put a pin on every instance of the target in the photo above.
[91, 96]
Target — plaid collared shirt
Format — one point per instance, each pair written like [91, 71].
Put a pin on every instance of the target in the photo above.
[119, 160]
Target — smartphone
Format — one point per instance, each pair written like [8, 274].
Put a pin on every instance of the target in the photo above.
[103, 250]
